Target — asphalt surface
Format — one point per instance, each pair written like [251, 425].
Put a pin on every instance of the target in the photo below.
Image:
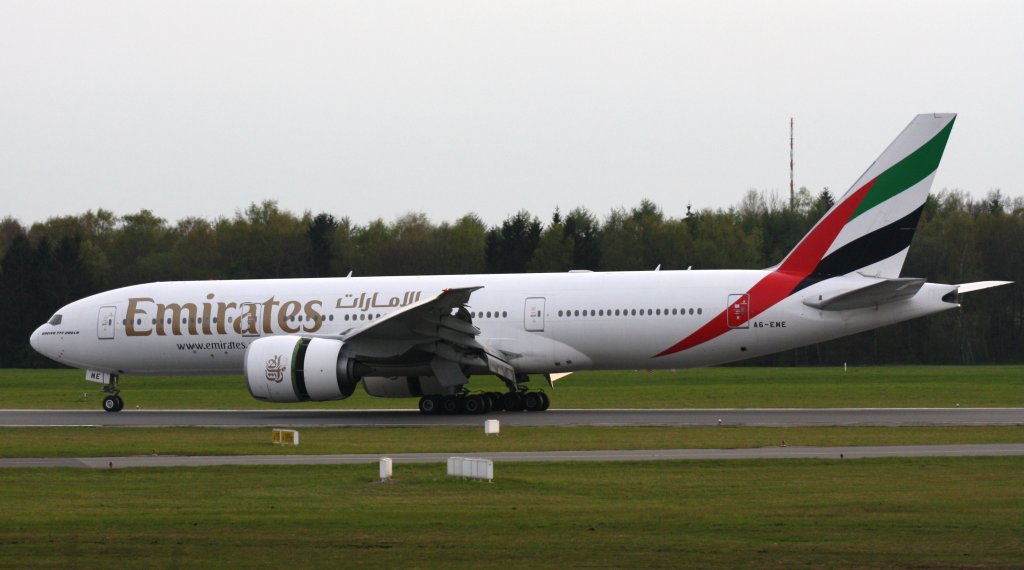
[841, 453]
[605, 417]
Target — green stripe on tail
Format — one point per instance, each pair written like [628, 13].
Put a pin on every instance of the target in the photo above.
[907, 172]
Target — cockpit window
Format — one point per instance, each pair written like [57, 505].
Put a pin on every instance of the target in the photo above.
[55, 320]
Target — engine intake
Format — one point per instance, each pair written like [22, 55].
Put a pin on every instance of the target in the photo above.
[296, 369]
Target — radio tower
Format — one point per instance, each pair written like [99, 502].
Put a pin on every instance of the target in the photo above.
[792, 195]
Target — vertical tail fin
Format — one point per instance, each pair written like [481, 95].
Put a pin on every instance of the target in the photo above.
[869, 229]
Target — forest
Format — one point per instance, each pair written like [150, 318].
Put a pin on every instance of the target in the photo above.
[959, 239]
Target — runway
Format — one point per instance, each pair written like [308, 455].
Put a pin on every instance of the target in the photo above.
[839, 453]
[603, 417]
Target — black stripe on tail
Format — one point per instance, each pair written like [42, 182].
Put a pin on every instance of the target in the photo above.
[861, 252]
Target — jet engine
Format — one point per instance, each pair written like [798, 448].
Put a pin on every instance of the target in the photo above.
[296, 369]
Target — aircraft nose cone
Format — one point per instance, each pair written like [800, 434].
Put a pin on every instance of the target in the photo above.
[36, 340]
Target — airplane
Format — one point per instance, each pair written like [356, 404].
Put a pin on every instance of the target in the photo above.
[423, 337]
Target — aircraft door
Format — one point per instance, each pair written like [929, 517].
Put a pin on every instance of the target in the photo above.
[105, 323]
[534, 317]
[738, 313]
[249, 319]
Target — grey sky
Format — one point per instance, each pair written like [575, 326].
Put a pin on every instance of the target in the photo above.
[374, 109]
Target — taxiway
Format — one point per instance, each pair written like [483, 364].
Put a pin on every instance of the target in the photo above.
[841, 453]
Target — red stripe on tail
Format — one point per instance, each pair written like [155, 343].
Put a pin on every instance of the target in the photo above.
[778, 285]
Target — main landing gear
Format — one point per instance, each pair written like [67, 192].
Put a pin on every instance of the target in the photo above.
[484, 403]
[517, 399]
[113, 402]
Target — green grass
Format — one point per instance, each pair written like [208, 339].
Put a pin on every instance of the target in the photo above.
[879, 513]
[894, 386]
[88, 442]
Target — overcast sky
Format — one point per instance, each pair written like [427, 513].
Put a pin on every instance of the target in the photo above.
[375, 109]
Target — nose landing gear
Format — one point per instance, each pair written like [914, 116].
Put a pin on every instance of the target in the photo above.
[113, 402]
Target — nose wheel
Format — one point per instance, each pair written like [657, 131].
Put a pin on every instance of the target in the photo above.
[113, 403]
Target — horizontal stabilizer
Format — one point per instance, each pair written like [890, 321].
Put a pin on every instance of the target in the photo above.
[878, 293]
[979, 285]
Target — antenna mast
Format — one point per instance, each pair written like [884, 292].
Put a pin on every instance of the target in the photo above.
[792, 195]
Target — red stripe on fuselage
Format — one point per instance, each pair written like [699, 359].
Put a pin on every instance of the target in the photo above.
[778, 284]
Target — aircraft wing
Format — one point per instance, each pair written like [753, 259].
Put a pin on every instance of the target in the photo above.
[441, 326]
[408, 322]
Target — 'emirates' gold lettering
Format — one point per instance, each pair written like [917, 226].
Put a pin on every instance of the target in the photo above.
[221, 318]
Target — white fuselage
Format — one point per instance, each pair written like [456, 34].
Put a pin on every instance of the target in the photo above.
[548, 323]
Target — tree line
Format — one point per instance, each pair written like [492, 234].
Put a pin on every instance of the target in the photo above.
[959, 239]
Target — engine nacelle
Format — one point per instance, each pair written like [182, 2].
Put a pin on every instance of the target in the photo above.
[297, 369]
[403, 386]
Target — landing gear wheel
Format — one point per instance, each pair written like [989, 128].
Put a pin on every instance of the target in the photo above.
[497, 405]
[533, 402]
[512, 402]
[487, 404]
[450, 405]
[473, 404]
[430, 405]
[113, 403]
[547, 401]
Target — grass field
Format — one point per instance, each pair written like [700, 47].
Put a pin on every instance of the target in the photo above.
[877, 513]
[895, 386]
[884, 513]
